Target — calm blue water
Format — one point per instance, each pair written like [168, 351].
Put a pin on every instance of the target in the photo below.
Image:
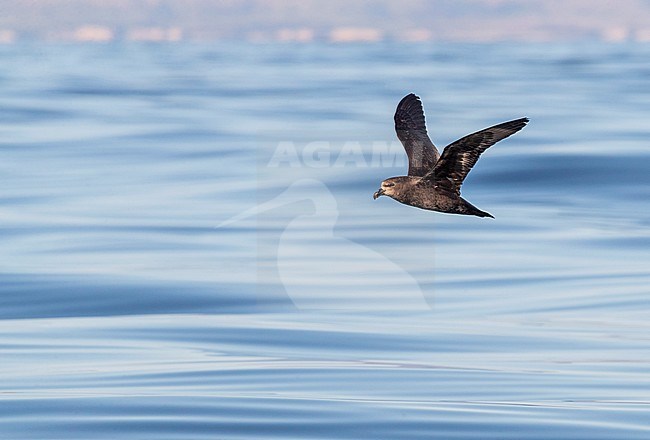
[189, 247]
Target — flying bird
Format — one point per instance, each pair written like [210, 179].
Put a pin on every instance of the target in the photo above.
[434, 180]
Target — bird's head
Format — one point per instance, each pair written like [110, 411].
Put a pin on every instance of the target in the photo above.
[389, 187]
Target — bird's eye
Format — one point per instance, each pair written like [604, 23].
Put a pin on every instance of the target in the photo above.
[389, 184]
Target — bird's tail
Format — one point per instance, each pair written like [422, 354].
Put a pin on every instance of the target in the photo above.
[470, 209]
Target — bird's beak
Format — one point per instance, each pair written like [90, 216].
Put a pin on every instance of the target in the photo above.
[380, 192]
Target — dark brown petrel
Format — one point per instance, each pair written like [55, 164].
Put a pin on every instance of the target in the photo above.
[434, 180]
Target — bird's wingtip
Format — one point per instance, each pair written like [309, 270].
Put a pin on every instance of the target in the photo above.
[409, 97]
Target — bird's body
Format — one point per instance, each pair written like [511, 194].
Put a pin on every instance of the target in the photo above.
[423, 193]
[433, 181]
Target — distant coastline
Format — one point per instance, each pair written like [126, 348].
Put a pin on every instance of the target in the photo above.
[336, 21]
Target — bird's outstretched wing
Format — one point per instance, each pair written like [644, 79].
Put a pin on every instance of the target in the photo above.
[459, 157]
[412, 132]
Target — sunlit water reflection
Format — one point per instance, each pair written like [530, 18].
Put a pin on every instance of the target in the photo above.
[131, 310]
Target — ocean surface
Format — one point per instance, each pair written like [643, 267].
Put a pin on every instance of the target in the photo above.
[189, 248]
